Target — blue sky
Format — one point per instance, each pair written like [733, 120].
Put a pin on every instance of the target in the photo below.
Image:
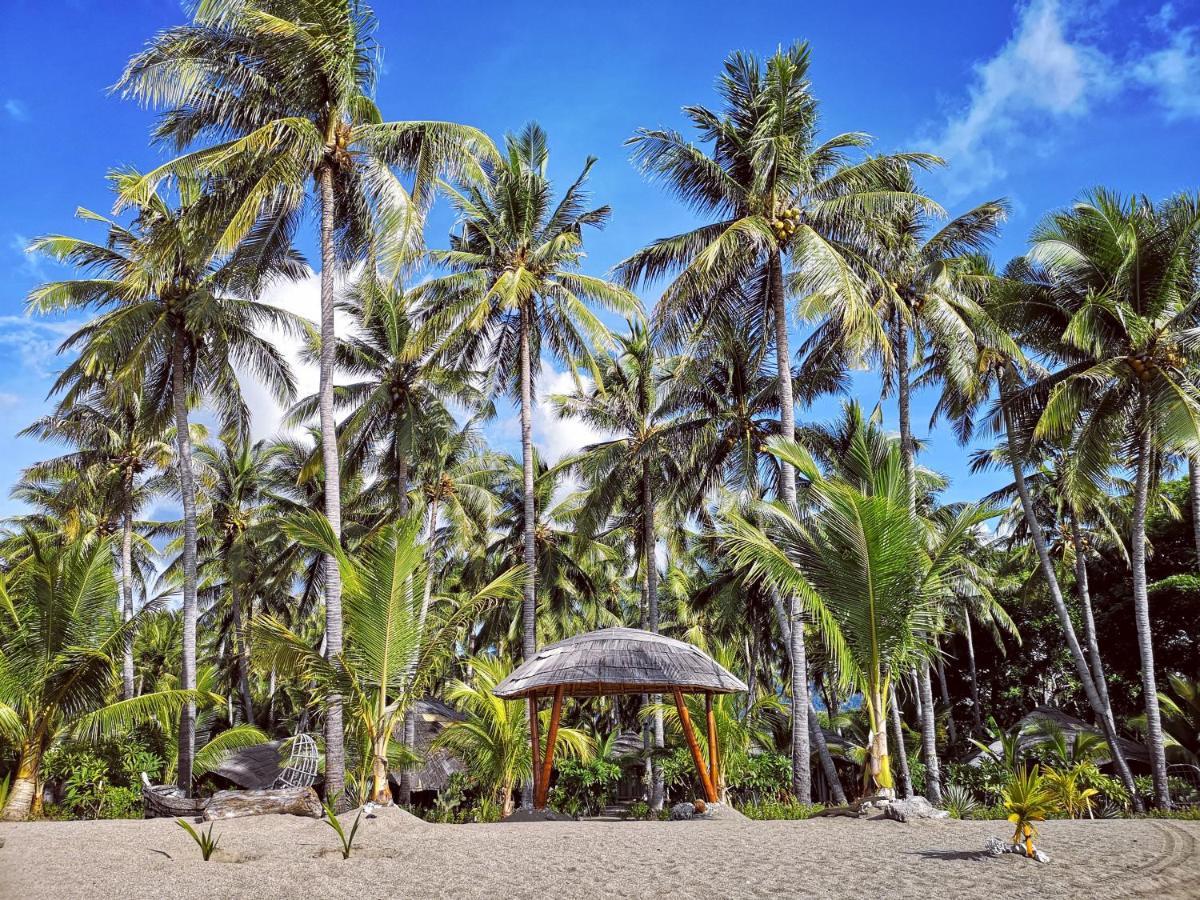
[1033, 101]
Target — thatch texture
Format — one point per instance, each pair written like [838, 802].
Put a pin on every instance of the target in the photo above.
[252, 768]
[432, 716]
[1040, 716]
[618, 661]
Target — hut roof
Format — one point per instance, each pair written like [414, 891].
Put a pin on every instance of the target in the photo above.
[252, 768]
[437, 766]
[618, 661]
[1032, 723]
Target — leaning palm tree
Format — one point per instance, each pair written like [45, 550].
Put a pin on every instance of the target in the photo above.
[59, 650]
[284, 87]
[392, 638]
[1125, 275]
[515, 291]
[175, 325]
[775, 194]
[872, 578]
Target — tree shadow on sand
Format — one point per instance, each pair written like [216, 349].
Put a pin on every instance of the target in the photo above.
[972, 855]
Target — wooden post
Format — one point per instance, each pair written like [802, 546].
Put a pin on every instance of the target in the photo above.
[539, 797]
[536, 740]
[713, 768]
[685, 720]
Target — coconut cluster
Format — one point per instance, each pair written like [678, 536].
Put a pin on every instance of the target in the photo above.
[786, 224]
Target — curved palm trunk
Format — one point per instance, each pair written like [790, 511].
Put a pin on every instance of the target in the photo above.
[801, 771]
[335, 751]
[928, 716]
[906, 788]
[828, 769]
[1141, 613]
[1104, 716]
[22, 796]
[1194, 488]
[649, 544]
[976, 711]
[1089, 622]
[529, 603]
[127, 587]
[187, 490]
[951, 731]
[242, 652]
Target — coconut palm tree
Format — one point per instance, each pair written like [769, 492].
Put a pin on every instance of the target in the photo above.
[119, 449]
[175, 324]
[59, 650]
[386, 629]
[515, 291]
[493, 739]
[872, 578]
[285, 88]
[775, 194]
[1125, 273]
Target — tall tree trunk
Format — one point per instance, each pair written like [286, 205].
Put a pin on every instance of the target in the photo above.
[1089, 622]
[529, 602]
[1103, 716]
[22, 796]
[801, 771]
[828, 769]
[335, 751]
[901, 754]
[928, 715]
[1141, 613]
[1194, 486]
[410, 718]
[951, 732]
[127, 586]
[187, 491]
[242, 657]
[649, 545]
[972, 674]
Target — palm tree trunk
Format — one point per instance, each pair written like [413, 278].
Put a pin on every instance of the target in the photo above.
[1103, 715]
[1141, 611]
[1089, 622]
[976, 710]
[933, 773]
[401, 480]
[529, 603]
[22, 796]
[649, 546]
[335, 751]
[1194, 486]
[187, 491]
[801, 771]
[242, 655]
[828, 769]
[901, 754]
[127, 587]
[951, 732]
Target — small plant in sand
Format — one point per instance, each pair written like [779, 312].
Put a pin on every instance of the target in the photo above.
[1028, 801]
[204, 840]
[959, 802]
[333, 822]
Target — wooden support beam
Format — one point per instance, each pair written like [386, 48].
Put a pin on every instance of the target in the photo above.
[543, 790]
[685, 720]
[536, 741]
[711, 724]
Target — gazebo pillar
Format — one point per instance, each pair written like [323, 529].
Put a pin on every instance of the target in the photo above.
[685, 720]
[542, 785]
[536, 740]
[714, 769]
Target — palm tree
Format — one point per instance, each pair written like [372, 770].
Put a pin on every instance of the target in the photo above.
[284, 87]
[775, 193]
[174, 325]
[59, 673]
[1125, 274]
[493, 739]
[115, 446]
[515, 292]
[387, 629]
[871, 577]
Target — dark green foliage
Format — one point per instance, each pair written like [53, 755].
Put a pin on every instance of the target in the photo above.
[788, 808]
[584, 788]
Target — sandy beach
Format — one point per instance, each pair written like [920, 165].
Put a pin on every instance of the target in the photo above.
[285, 857]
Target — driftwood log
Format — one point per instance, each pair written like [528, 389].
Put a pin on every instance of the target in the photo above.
[284, 801]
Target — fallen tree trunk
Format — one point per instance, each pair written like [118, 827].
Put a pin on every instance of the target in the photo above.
[284, 801]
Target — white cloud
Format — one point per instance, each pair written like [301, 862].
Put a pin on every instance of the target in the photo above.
[1172, 74]
[1042, 74]
[36, 341]
[16, 110]
[555, 437]
[1053, 72]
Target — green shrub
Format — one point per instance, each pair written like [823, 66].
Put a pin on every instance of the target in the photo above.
[764, 775]
[789, 808]
[486, 811]
[641, 811]
[959, 802]
[584, 788]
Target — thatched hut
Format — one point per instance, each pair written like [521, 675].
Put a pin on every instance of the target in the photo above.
[619, 661]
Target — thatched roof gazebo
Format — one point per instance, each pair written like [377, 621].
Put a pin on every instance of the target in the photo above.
[619, 661]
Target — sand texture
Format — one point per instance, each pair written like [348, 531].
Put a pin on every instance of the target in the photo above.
[397, 856]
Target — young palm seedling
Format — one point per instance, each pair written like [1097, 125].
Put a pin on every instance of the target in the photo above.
[205, 841]
[347, 840]
[1028, 801]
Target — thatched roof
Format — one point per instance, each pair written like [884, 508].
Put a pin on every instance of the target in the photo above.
[1031, 735]
[618, 661]
[431, 717]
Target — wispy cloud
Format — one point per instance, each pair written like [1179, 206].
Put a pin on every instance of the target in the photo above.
[16, 110]
[34, 342]
[31, 265]
[1050, 74]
